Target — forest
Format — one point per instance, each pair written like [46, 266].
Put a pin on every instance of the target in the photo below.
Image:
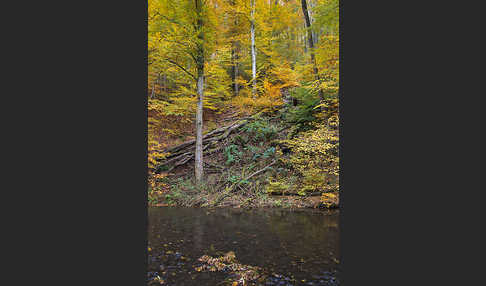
[243, 105]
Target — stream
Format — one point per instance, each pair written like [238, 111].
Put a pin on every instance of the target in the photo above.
[295, 247]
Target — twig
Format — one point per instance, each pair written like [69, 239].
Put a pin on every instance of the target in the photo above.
[262, 170]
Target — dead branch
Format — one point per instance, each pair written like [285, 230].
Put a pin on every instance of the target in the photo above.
[261, 171]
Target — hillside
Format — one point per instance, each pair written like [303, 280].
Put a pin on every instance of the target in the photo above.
[262, 160]
[243, 103]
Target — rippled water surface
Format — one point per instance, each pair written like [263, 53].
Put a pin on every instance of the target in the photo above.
[300, 247]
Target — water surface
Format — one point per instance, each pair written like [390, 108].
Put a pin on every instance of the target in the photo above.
[302, 246]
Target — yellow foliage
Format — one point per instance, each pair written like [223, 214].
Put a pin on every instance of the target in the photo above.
[265, 102]
[277, 187]
[330, 199]
[315, 156]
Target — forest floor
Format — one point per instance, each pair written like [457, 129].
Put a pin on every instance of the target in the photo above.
[237, 167]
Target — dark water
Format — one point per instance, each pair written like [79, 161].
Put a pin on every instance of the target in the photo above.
[299, 245]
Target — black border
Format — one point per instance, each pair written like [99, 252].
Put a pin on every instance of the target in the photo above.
[342, 273]
[79, 141]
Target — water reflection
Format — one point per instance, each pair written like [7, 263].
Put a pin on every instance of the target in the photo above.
[300, 244]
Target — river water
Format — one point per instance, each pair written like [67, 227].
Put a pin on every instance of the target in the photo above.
[299, 247]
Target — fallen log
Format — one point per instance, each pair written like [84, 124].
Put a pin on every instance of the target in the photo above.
[176, 158]
[214, 165]
[184, 152]
[186, 157]
[193, 141]
[241, 122]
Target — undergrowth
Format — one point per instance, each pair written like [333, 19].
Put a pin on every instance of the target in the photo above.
[297, 147]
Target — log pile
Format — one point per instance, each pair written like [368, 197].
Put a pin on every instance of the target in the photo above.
[183, 153]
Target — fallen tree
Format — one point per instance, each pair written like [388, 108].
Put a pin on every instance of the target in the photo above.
[183, 153]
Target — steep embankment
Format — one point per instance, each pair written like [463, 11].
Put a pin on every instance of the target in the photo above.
[255, 161]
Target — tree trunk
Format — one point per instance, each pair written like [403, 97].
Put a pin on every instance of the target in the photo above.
[156, 82]
[304, 39]
[311, 18]
[235, 53]
[311, 43]
[199, 126]
[153, 88]
[253, 50]
[233, 67]
[236, 70]
[165, 83]
[198, 156]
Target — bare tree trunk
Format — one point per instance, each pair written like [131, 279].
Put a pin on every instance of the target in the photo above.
[236, 48]
[311, 43]
[304, 38]
[253, 50]
[156, 82]
[310, 9]
[165, 83]
[198, 156]
[233, 66]
[199, 126]
[236, 72]
[153, 88]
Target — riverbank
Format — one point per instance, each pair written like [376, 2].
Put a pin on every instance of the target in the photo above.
[328, 201]
[256, 161]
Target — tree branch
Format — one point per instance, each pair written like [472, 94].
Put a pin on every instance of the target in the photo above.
[262, 170]
[182, 68]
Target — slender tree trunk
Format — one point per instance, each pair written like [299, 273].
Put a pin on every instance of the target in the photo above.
[153, 88]
[198, 156]
[304, 39]
[311, 43]
[165, 83]
[233, 66]
[235, 51]
[311, 18]
[236, 70]
[156, 82]
[253, 50]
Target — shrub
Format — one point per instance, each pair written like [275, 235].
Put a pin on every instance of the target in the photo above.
[305, 112]
[277, 187]
[261, 130]
[232, 154]
[315, 156]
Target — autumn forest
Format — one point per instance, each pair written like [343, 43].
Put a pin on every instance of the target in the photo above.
[243, 106]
